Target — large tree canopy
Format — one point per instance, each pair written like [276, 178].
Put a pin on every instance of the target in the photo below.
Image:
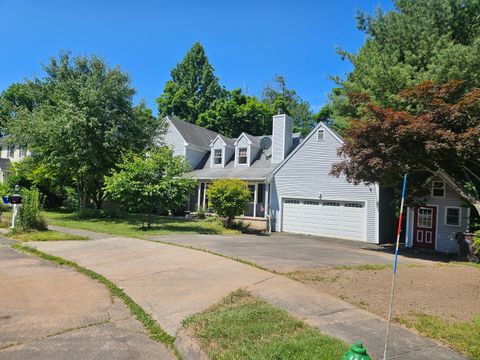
[237, 113]
[82, 123]
[192, 89]
[280, 97]
[438, 133]
[195, 95]
[437, 40]
[149, 183]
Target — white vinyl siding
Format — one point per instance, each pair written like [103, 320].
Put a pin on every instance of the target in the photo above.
[445, 235]
[306, 175]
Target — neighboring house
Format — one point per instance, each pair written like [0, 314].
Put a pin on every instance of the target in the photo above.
[289, 178]
[436, 224]
[8, 155]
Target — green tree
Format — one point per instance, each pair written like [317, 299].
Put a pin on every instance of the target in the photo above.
[278, 96]
[237, 113]
[83, 124]
[228, 198]
[150, 183]
[192, 89]
[439, 135]
[437, 40]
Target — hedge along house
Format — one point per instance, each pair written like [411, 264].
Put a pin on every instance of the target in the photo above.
[289, 177]
[436, 224]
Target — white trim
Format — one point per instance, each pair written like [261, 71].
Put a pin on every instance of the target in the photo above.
[408, 234]
[214, 140]
[255, 191]
[323, 134]
[243, 134]
[444, 189]
[436, 224]
[459, 216]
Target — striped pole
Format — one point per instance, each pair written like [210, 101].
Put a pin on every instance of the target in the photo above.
[399, 230]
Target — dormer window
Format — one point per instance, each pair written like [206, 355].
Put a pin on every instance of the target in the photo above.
[438, 189]
[242, 155]
[217, 157]
[320, 135]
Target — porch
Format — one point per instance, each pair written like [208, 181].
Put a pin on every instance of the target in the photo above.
[257, 207]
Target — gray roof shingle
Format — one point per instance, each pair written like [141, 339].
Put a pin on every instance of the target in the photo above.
[193, 134]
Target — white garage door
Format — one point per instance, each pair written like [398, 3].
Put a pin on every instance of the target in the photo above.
[342, 219]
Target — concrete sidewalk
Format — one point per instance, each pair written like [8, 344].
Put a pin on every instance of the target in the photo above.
[52, 312]
[172, 283]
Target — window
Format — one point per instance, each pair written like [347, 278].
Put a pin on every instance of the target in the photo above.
[425, 218]
[308, 202]
[217, 156]
[242, 155]
[292, 202]
[354, 205]
[452, 216]
[321, 135]
[330, 203]
[22, 152]
[438, 189]
[11, 151]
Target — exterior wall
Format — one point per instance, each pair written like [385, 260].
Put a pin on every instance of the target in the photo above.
[445, 235]
[175, 141]
[306, 174]
[4, 153]
[216, 145]
[241, 143]
[194, 156]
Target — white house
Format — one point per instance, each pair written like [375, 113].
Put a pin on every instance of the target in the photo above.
[290, 180]
[9, 154]
[436, 224]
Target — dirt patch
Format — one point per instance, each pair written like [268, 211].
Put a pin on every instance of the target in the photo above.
[448, 291]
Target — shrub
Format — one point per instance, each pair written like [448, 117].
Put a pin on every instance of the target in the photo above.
[228, 198]
[201, 214]
[29, 217]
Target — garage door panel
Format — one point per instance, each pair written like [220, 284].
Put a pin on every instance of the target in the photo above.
[341, 219]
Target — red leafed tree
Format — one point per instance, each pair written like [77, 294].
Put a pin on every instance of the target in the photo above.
[436, 133]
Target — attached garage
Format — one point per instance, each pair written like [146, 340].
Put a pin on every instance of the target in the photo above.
[340, 219]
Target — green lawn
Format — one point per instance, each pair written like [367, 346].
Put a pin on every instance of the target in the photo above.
[244, 327]
[131, 226]
[49, 235]
[461, 336]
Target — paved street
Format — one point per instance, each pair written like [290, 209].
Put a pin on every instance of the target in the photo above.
[53, 312]
[172, 282]
[284, 251]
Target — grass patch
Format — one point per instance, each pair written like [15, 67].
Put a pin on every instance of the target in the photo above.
[311, 275]
[48, 235]
[244, 327]
[464, 337]
[153, 328]
[466, 263]
[364, 267]
[132, 225]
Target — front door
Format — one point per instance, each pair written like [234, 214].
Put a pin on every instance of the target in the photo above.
[424, 230]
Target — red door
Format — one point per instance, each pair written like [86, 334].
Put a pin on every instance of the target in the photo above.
[425, 227]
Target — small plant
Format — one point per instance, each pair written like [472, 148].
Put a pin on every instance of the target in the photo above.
[29, 217]
[201, 214]
[229, 198]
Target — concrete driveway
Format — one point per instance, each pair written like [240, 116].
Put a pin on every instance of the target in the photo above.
[284, 251]
[52, 312]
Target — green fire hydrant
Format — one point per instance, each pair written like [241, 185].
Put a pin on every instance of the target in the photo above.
[357, 352]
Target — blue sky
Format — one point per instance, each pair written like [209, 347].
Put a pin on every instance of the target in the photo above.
[248, 42]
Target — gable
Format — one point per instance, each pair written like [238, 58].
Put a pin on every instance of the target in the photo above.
[217, 143]
[331, 142]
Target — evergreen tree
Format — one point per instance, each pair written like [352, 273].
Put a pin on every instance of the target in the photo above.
[436, 40]
[192, 89]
